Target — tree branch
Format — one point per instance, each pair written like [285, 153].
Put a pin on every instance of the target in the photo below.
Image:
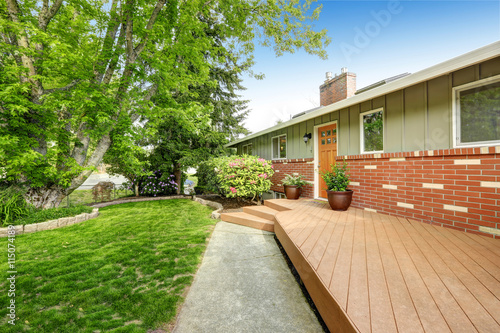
[159, 5]
[151, 92]
[107, 45]
[114, 60]
[66, 88]
[23, 42]
[47, 14]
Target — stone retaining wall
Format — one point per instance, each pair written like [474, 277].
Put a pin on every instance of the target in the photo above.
[52, 224]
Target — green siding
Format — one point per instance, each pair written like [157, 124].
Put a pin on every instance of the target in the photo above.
[490, 68]
[343, 132]
[438, 114]
[354, 130]
[414, 117]
[464, 76]
[393, 124]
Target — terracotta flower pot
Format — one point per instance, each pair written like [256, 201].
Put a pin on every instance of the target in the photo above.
[339, 200]
[292, 192]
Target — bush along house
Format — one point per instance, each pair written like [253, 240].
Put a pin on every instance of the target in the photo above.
[424, 146]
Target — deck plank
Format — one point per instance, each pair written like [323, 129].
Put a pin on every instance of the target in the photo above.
[485, 300]
[370, 272]
[339, 283]
[381, 314]
[358, 304]
[400, 274]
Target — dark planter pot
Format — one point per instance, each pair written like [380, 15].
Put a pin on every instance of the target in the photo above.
[292, 192]
[339, 200]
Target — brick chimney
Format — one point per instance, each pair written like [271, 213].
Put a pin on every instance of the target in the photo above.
[337, 88]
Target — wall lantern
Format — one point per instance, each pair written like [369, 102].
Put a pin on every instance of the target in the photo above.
[306, 137]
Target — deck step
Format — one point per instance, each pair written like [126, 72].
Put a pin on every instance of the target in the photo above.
[280, 205]
[248, 220]
[261, 211]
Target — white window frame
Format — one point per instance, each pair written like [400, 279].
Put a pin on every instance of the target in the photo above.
[272, 147]
[456, 113]
[362, 132]
[243, 149]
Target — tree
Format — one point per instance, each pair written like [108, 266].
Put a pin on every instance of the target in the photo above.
[78, 74]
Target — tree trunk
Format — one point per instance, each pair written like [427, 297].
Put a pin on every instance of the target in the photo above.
[46, 197]
[178, 176]
[136, 187]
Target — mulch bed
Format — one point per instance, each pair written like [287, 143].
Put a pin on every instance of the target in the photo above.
[227, 203]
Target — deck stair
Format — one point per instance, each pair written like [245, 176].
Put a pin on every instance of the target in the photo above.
[258, 217]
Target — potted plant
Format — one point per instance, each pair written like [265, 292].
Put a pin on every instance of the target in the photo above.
[293, 185]
[337, 180]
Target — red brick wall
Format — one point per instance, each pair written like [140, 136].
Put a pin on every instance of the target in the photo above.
[455, 188]
[337, 89]
[304, 166]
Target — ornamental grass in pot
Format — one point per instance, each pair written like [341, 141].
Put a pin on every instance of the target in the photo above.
[293, 185]
[337, 180]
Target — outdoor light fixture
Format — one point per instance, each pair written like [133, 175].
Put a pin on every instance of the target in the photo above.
[306, 137]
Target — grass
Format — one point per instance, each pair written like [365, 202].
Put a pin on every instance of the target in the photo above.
[124, 271]
[82, 197]
[43, 215]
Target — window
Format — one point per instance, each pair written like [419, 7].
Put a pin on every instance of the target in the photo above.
[279, 147]
[477, 107]
[278, 195]
[372, 131]
[247, 149]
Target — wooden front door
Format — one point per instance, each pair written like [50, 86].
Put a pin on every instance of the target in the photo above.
[327, 150]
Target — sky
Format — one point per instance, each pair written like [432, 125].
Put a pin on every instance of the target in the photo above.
[375, 40]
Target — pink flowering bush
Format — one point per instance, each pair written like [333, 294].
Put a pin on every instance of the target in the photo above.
[243, 176]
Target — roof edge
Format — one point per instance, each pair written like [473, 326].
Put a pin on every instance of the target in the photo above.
[470, 58]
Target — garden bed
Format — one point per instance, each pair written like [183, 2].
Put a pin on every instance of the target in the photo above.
[229, 204]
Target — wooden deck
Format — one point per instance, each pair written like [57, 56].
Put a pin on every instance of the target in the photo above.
[369, 272]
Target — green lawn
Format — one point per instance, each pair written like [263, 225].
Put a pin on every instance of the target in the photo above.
[124, 271]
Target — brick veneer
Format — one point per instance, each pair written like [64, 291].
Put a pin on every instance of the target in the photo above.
[455, 188]
[304, 166]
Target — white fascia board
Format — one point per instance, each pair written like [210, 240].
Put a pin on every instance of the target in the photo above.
[468, 59]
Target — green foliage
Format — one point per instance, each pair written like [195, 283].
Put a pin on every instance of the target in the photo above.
[42, 215]
[76, 78]
[207, 177]
[243, 176]
[373, 126]
[125, 271]
[12, 205]
[295, 179]
[479, 114]
[157, 183]
[337, 179]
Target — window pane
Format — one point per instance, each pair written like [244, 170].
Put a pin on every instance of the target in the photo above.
[328, 133]
[322, 141]
[322, 134]
[282, 147]
[249, 152]
[329, 140]
[276, 148]
[244, 151]
[480, 113]
[373, 127]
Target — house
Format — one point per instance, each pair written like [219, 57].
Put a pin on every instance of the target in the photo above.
[424, 146]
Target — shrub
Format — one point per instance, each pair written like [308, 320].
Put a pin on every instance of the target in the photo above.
[337, 179]
[243, 176]
[295, 180]
[207, 177]
[155, 184]
[12, 205]
[43, 215]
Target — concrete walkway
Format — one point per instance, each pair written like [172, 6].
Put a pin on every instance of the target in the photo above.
[244, 285]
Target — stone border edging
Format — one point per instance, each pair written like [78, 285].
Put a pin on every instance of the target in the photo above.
[218, 207]
[52, 224]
